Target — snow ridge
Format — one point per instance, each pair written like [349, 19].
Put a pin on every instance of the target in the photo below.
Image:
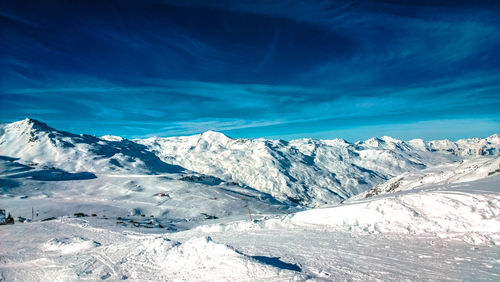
[464, 171]
[35, 142]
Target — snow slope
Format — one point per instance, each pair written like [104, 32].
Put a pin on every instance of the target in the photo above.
[102, 255]
[465, 208]
[168, 201]
[463, 171]
[447, 232]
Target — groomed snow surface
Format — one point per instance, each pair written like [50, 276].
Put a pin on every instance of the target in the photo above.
[177, 209]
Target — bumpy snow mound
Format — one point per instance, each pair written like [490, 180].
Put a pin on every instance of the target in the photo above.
[149, 253]
[312, 172]
[68, 245]
[267, 222]
[456, 209]
[199, 256]
[463, 171]
[197, 259]
[433, 212]
[35, 142]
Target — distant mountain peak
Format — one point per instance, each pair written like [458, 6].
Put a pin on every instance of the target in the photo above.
[389, 139]
[30, 120]
[211, 134]
[374, 141]
[494, 138]
[35, 123]
[29, 124]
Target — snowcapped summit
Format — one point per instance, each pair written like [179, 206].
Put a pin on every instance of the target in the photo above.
[336, 141]
[381, 142]
[27, 125]
[373, 142]
[494, 139]
[419, 144]
[33, 141]
[33, 122]
[214, 137]
[442, 145]
[389, 139]
[384, 142]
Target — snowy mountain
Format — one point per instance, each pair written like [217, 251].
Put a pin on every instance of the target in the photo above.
[304, 171]
[39, 144]
[313, 172]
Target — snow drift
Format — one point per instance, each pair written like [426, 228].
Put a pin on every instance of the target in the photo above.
[467, 208]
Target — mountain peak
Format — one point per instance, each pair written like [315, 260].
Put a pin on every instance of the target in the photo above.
[494, 138]
[211, 134]
[31, 123]
[374, 142]
[30, 120]
[336, 141]
[389, 139]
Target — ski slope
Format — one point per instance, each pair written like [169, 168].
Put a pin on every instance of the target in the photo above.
[456, 242]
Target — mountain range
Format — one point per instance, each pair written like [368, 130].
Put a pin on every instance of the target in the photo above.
[305, 172]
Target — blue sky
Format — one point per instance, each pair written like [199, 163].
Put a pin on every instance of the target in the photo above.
[279, 69]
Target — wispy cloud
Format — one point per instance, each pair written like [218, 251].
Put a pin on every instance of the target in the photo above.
[189, 107]
[248, 68]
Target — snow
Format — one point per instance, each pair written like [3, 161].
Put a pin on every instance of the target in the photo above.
[463, 171]
[69, 245]
[442, 209]
[112, 138]
[199, 256]
[276, 253]
[108, 208]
